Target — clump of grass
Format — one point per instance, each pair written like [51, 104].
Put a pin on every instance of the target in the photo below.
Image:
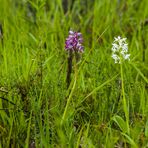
[33, 69]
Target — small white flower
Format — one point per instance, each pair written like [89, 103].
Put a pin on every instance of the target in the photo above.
[120, 50]
[117, 39]
[126, 57]
[71, 32]
[116, 58]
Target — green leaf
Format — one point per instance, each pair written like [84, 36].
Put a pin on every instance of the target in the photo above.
[130, 140]
[99, 87]
[140, 73]
[146, 129]
[121, 123]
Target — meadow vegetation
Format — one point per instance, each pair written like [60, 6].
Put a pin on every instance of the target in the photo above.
[105, 104]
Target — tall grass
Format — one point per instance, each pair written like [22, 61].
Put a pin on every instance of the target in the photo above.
[37, 109]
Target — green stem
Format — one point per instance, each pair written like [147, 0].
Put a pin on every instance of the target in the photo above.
[125, 107]
[69, 69]
[70, 95]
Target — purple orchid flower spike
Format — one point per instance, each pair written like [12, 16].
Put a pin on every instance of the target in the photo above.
[73, 45]
[74, 42]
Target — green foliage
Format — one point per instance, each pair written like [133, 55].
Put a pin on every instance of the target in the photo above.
[103, 107]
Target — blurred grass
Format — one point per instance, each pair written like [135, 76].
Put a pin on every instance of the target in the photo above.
[33, 66]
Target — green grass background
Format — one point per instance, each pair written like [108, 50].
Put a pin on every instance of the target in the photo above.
[37, 110]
